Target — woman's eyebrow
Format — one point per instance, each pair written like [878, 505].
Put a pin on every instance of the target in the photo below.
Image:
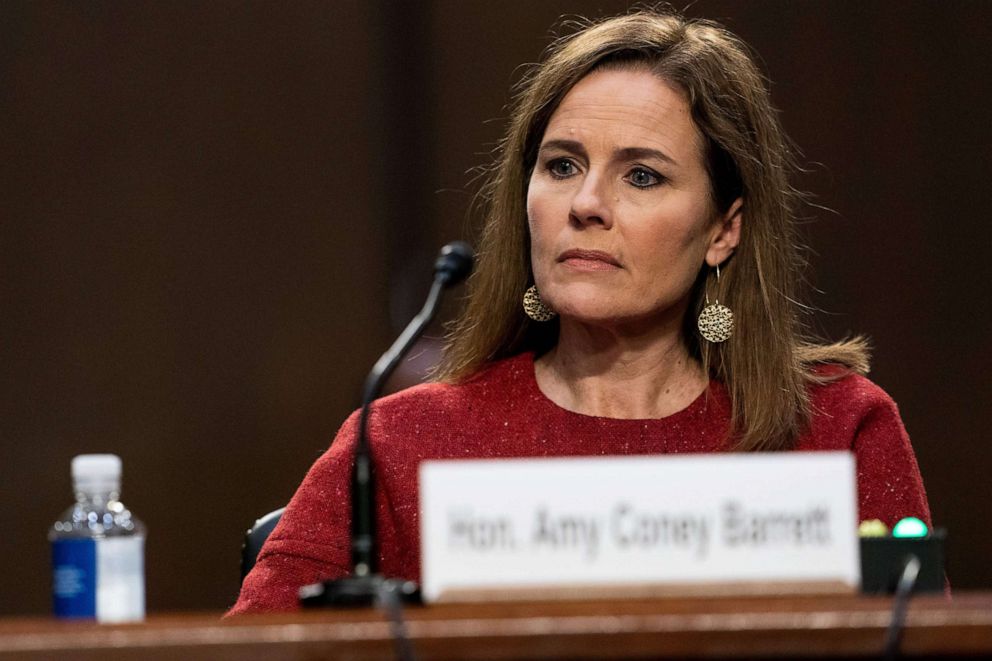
[570, 146]
[624, 153]
[641, 153]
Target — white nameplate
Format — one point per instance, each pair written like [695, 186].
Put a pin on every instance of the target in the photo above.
[728, 523]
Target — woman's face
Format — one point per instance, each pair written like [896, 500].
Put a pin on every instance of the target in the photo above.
[619, 206]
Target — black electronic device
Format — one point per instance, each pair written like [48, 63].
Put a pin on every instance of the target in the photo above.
[884, 558]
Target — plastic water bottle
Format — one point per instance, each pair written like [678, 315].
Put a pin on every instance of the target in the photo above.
[98, 566]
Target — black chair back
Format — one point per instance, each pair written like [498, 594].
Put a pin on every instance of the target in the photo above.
[255, 538]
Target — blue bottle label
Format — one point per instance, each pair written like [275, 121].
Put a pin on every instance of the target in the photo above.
[74, 577]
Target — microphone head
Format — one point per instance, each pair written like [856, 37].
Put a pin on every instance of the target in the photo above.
[454, 263]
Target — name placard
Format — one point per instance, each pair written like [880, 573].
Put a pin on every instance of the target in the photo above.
[729, 523]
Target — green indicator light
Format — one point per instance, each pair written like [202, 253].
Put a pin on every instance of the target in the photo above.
[910, 527]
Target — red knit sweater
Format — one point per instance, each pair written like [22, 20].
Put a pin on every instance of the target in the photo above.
[502, 413]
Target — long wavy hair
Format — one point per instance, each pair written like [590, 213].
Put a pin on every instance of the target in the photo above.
[769, 363]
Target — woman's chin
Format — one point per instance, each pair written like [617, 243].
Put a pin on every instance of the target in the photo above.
[605, 315]
[611, 315]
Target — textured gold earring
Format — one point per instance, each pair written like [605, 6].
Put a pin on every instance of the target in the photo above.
[535, 308]
[716, 322]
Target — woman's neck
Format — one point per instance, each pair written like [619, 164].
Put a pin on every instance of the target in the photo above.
[609, 373]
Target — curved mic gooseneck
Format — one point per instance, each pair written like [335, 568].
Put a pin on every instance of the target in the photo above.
[365, 586]
[453, 265]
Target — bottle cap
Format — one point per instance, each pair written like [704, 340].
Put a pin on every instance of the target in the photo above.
[96, 473]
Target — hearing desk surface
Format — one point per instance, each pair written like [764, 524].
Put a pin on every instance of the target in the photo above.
[719, 628]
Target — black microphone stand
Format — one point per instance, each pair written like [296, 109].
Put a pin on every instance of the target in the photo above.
[365, 586]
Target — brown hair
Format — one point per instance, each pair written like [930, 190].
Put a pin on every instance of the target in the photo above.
[767, 365]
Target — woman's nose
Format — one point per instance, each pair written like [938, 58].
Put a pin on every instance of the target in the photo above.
[591, 204]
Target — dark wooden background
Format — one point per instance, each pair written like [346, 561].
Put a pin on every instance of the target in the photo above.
[215, 216]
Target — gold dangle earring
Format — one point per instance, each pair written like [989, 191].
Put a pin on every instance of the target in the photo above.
[716, 322]
[535, 308]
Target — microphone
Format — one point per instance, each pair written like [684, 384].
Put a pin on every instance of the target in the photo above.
[454, 263]
[365, 586]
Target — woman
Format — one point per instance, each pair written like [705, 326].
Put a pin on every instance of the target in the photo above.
[641, 192]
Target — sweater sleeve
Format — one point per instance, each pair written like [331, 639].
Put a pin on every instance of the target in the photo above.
[889, 481]
[311, 541]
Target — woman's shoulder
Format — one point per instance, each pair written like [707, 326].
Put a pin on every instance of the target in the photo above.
[843, 402]
[850, 412]
[838, 387]
[490, 387]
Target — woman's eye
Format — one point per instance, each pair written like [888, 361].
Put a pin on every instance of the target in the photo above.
[643, 178]
[561, 168]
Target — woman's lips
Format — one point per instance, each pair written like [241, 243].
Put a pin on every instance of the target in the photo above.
[589, 260]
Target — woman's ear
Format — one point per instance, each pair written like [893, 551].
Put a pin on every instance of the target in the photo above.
[726, 234]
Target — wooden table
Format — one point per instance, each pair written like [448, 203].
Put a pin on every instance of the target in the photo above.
[794, 627]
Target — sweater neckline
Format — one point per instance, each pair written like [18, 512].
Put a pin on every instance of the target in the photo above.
[526, 363]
